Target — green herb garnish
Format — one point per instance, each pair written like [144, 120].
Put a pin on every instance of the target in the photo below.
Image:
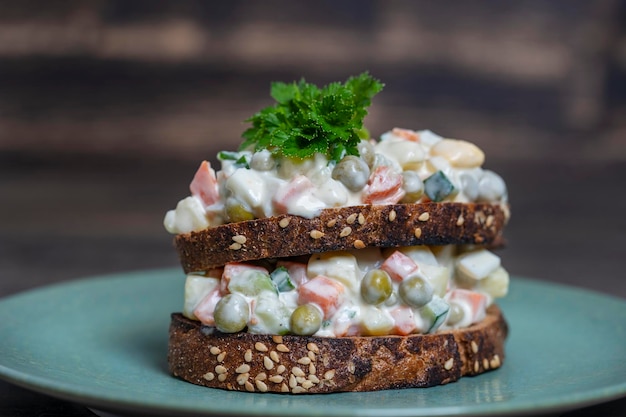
[306, 119]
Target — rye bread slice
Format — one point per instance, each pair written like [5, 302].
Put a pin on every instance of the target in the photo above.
[306, 364]
[344, 228]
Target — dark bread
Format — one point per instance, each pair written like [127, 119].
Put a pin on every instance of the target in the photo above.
[301, 364]
[342, 229]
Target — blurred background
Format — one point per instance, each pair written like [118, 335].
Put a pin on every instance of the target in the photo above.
[107, 107]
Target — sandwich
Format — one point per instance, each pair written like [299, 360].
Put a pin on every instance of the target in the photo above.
[320, 260]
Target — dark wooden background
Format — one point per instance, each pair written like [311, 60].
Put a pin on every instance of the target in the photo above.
[107, 107]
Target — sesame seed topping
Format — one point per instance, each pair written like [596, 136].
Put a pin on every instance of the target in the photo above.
[296, 371]
[424, 217]
[235, 246]
[282, 348]
[261, 386]
[351, 367]
[460, 220]
[248, 355]
[298, 390]
[307, 384]
[221, 369]
[345, 231]
[261, 377]
[209, 376]
[268, 363]
[316, 234]
[292, 381]
[215, 350]
[312, 347]
[312, 369]
[351, 218]
[314, 379]
[490, 220]
[242, 378]
[221, 356]
[284, 222]
[222, 377]
[277, 338]
[358, 244]
[261, 347]
[274, 356]
[476, 366]
[485, 363]
[331, 223]
[361, 219]
[305, 360]
[474, 347]
[277, 379]
[449, 364]
[495, 362]
[249, 386]
[329, 374]
[241, 239]
[242, 369]
[311, 355]
[300, 379]
[280, 369]
[392, 215]
[418, 232]
[284, 388]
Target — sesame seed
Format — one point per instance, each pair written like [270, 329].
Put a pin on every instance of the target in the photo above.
[329, 374]
[280, 369]
[220, 369]
[297, 390]
[345, 231]
[489, 221]
[282, 348]
[305, 360]
[449, 364]
[248, 355]
[209, 376]
[485, 363]
[284, 388]
[277, 338]
[292, 381]
[222, 377]
[424, 217]
[476, 366]
[361, 219]
[358, 244]
[474, 347]
[221, 356]
[418, 232]
[312, 369]
[351, 218]
[261, 347]
[297, 371]
[312, 347]
[268, 363]
[261, 386]
[261, 377]
[307, 384]
[274, 356]
[351, 367]
[277, 379]
[241, 239]
[331, 223]
[235, 246]
[495, 362]
[242, 378]
[242, 369]
[284, 222]
[215, 350]
[311, 355]
[460, 220]
[316, 234]
[300, 379]
[314, 379]
[249, 386]
[392, 215]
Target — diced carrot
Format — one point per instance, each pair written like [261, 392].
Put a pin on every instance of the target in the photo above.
[383, 187]
[206, 307]
[233, 269]
[476, 301]
[291, 191]
[404, 320]
[204, 184]
[407, 134]
[296, 270]
[399, 266]
[323, 291]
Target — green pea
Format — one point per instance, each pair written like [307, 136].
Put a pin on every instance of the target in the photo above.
[415, 291]
[352, 171]
[231, 313]
[376, 286]
[305, 320]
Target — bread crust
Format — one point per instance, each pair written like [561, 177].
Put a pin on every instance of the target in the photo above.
[344, 228]
[306, 364]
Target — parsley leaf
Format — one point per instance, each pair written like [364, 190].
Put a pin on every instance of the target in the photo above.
[306, 119]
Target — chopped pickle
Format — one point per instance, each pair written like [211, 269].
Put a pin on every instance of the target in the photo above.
[282, 280]
[435, 313]
[437, 187]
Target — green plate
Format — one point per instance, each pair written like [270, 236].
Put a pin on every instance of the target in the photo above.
[102, 342]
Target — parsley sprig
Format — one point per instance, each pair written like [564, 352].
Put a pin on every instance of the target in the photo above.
[307, 119]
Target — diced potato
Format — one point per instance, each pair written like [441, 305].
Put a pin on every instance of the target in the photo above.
[477, 264]
[376, 322]
[437, 276]
[248, 187]
[409, 154]
[196, 288]
[339, 265]
[495, 284]
[270, 315]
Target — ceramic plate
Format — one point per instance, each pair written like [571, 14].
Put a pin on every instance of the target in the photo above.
[102, 342]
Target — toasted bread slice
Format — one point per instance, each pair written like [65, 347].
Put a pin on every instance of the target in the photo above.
[307, 364]
[344, 228]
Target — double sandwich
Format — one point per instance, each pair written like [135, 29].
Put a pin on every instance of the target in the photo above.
[320, 260]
